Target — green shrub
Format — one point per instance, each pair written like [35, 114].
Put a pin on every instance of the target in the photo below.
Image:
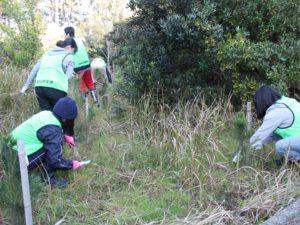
[174, 49]
[20, 43]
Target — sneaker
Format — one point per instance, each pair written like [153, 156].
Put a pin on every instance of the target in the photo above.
[58, 183]
[294, 162]
[279, 162]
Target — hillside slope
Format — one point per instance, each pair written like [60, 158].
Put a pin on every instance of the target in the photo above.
[154, 165]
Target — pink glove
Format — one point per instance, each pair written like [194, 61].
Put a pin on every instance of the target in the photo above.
[70, 140]
[76, 164]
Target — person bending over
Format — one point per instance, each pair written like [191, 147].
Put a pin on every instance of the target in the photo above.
[82, 65]
[281, 123]
[42, 137]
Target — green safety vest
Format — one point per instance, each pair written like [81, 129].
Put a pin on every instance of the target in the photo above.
[294, 129]
[27, 131]
[51, 73]
[81, 57]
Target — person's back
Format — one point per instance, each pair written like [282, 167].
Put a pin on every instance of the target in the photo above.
[293, 129]
[98, 67]
[51, 72]
[27, 131]
[281, 123]
[81, 58]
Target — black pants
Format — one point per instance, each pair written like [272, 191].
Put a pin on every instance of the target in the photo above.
[47, 98]
[38, 159]
[11, 161]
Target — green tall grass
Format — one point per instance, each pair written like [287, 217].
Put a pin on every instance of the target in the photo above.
[14, 108]
[159, 165]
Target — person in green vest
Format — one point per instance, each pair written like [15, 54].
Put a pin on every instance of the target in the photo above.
[81, 57]
[51, 74]
[42, 137]
[281, 123]
[82, 65]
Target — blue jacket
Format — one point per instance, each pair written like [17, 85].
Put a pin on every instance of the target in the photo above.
[51, 136]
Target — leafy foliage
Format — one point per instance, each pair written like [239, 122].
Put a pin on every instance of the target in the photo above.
[175, 49]
[20, 42]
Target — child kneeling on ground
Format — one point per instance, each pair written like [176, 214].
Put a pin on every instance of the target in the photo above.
[42, 136]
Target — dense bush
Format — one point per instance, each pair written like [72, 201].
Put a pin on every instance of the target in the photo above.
[20, 41]
[261, 44]
[178, 48]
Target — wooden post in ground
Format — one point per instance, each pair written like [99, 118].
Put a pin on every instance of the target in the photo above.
[109, 63]
[249, 115]
[108, 53]
[86, 103]
[25, 183]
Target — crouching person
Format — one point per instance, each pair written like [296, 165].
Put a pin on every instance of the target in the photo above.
[101, 77]
[42, 135]
[281, 123]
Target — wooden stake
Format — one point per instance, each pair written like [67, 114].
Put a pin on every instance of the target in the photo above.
[25, 182]
[108, 53]
[249, 116]
[86, 99]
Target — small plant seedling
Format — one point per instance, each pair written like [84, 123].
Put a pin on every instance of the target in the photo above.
[84, 163]
[241, 134]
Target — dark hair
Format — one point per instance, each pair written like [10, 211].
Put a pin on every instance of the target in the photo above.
[264, 97]
[70, 31]
[72, 42]
[60, 43]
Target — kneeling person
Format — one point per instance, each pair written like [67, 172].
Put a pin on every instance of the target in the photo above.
[42, 135]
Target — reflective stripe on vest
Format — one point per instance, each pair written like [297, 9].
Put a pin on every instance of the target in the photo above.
[294, 129]
[51, 73]
[27, 131]
[81, 57]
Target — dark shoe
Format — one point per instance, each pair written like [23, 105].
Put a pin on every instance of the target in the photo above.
[58, 183]
[50, 179]
[279, 162]
[294, 162]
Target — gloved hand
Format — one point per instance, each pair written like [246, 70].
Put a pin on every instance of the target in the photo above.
[70, 140]
[76, 164]
[23, 90]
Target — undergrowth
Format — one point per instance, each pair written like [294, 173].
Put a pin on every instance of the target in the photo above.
[155, 165]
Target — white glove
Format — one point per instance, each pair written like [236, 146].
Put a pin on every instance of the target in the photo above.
[23, 90]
